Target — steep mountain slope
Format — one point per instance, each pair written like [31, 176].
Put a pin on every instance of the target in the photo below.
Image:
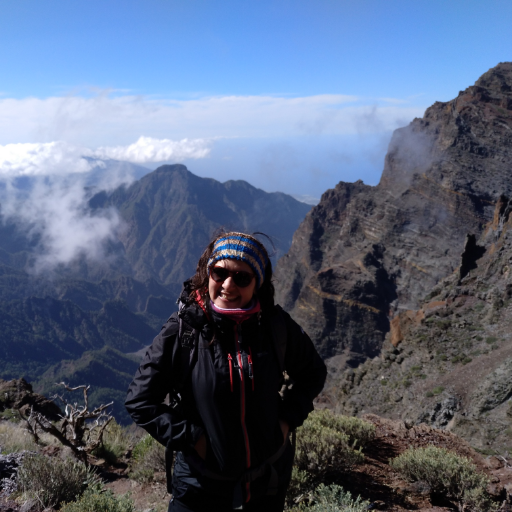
[365, 253]
[171, 214]
[449, 363]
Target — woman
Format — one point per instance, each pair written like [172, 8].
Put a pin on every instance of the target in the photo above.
[223, 354]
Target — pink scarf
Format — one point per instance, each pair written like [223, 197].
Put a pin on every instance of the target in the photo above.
[239, 315]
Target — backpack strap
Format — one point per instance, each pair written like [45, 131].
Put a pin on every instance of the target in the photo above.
[279, 336]
[188, 339]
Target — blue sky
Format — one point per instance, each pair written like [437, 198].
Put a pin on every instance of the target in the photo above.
[289, 95]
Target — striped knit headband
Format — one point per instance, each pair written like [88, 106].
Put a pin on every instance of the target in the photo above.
[239, 246]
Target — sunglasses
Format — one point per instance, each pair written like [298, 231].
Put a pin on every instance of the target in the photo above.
[241, 279]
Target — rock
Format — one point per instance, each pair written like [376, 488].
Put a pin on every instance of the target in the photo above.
[495, 389]
[18, 394]
[441, 414]
[9, 470]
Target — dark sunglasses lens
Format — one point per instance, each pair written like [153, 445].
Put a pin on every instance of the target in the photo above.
[243, 279]
[219, 274]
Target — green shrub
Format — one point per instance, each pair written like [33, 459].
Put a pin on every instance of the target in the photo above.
[327, 442]
[319, 448]
[94, 500]
[332, 498]
[466, 360]
[445, 473]
[438, 390]
[491, 339]
[384, 382]
[142, 447]
[429, 394]
[456, 359]
[116, 441]
[359, 432]
[52, 481]
[10, 415]
[478, 338]
[148, 457]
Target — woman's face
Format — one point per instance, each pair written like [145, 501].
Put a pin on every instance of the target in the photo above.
[227, 294]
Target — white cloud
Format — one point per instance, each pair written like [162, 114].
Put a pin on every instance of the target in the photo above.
[147, 149]
[41, 159]
[61, 158]
[106, 120]
[55, 209]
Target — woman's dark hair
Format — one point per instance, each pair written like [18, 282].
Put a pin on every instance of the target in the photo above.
[199, 281]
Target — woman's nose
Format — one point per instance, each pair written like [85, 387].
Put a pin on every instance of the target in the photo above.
[228, 283]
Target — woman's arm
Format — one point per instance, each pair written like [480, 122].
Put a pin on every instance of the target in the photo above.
[151, 384]
[307, 372]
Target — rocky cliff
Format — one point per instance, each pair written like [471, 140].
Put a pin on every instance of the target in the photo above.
[366, 253]
[449, 363]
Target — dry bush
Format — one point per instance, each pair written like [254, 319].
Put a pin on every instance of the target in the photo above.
[332, 498]
[323, 445]
[52, 481]
[116, 442]
[14, 438]
[446, 473]
[99, 500]
[326, 445]
[148, 458]
[359, 432]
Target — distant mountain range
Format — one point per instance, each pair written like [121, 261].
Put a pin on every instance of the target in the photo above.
[80, 322]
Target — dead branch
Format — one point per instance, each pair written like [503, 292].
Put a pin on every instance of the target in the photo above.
[81, 429]
[31, 427]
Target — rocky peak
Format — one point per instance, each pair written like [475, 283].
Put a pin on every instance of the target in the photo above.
[443, 175]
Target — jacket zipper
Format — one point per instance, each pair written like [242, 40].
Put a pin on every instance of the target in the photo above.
[230, 360]
[238, 328]
[251, 370]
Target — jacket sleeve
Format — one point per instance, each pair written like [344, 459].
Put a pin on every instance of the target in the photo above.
[151, 384]
[307, 372]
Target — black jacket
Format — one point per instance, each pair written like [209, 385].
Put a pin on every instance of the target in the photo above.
[238, 411]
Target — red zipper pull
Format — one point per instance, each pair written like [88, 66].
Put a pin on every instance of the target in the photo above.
[251, 373]
[230, 360]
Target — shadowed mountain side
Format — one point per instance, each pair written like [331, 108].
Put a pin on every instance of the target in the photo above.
[108, 371]
[366, 252]
[171, 215]
[37, 333]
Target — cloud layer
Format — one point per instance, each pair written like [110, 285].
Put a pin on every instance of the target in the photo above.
[108, 120]
[54, 158]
